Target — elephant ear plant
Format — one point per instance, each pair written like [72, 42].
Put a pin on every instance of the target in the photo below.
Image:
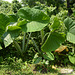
[55, 39]
[35, 19]
[31, 20]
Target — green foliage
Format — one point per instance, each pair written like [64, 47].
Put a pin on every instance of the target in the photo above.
[49, 56]
[55, 25]
[31, 3]
[15, 64]
[72, 59]
[44, 7]
[62, 14]
[36, 18]
[70, 25]
[10, 35]
[71, 37]
[5, 7]
[15, 6]
[37, 60]
[55, 2]
[32, 20]
[73, 9]
[12, 31]
[4, 20]
[7, 39]
[13, 18]
[1, 59]
[16, 26]
[53, 41]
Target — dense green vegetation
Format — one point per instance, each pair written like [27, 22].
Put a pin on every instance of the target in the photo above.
[36, 33]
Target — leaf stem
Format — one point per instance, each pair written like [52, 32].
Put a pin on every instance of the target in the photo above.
[42, 34]
[27, 41]
[35, 45]
[23, 42]
[17, 46]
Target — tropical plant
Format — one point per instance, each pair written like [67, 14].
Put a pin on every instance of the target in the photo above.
[51, 44]
[5, 7]
[30, 17]
[15, 6]
[31, 20]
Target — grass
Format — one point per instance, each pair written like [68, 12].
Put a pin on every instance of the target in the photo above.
[15, 66]
[30, 69]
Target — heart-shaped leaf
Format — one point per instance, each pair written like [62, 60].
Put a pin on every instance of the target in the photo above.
[72, 59]
[53, 41]
[37, 19]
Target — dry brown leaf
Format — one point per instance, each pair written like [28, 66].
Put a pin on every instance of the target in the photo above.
[61, 48]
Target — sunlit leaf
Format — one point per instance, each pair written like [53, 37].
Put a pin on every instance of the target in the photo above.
[7, 39]
[72, 59]
[11, 34]
[71, 37]
[37, 19]
[70, 25]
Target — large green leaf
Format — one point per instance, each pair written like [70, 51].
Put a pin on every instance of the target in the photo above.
[53, 41]
[12, 32]
[70, 25]
[56, 24]
[72, 59]
[7, 39]
[37, 20]
[4, 20]
[71, 37]
[68, 22]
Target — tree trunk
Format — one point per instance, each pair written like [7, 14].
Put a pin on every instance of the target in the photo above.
[69, 8]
